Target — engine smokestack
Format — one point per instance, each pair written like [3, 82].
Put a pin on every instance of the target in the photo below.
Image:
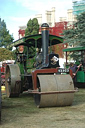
[45, 40]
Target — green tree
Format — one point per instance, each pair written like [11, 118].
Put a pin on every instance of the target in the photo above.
[80, 29]
[5, 54]
[5, 37]
[76, 35]
[32, 27]
[69, 36]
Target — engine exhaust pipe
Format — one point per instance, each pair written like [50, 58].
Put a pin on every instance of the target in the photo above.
[45, 40]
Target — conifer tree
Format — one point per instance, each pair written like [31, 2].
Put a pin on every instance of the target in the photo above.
[76, 35]
[5, 37]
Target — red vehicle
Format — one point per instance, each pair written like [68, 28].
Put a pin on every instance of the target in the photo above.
[3, 73]
[2, 68]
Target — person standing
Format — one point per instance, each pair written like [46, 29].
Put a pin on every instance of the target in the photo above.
[73, 70]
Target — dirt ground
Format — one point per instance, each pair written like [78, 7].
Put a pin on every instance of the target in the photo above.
[22, 113]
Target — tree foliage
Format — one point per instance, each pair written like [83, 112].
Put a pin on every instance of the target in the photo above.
[6, 54]
[76, 35]
[80, 29]
[32, 27]
[5, 37]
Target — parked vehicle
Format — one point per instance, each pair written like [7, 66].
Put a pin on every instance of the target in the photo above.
[37, 71]
[80, 72]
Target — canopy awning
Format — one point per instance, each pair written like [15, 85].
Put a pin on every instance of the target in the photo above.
[80, 48]
[26, 41]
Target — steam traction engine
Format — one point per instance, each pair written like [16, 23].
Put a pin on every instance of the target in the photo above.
[37, 71]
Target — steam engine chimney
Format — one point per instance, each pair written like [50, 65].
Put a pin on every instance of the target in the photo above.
[45, 40]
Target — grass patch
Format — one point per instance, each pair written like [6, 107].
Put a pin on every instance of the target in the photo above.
[22, 112]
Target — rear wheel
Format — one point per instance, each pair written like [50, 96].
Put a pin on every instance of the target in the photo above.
[12, 80]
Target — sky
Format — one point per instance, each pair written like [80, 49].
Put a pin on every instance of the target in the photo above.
[17, 13]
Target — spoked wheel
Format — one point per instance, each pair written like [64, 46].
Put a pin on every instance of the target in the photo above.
[12, 80]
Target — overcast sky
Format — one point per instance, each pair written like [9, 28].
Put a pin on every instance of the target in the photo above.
[16, 13]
